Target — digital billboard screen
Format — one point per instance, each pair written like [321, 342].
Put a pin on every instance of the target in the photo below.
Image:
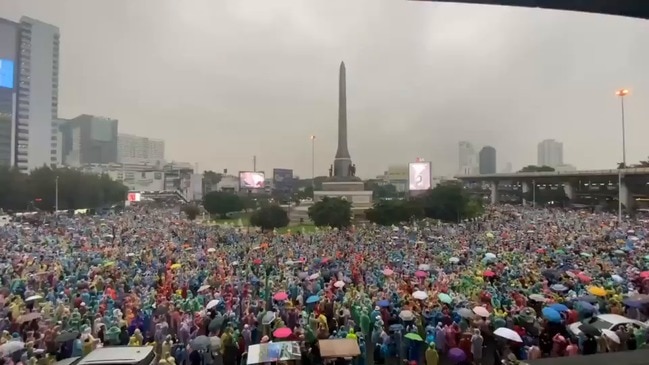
[252, 180]
[6, 73]
[419, 176]
[283, 179]
[134, 197]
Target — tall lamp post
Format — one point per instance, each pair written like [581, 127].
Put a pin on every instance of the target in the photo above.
[621, 93]
[312, 161]
[56, 195]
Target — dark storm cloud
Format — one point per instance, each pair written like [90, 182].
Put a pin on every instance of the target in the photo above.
[222, 81]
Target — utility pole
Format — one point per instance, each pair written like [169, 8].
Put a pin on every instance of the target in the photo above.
[56, 194]
[533, 193]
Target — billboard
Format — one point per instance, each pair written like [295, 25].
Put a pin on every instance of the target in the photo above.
[134, 197]
[252, 180]
[419, 176]
[7, 73]
[283, 180]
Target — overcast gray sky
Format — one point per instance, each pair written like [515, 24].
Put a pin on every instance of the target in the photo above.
[223, 80]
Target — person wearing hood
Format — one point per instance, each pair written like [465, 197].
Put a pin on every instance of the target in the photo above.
[432, 357]
[440, 338]
[476, 346]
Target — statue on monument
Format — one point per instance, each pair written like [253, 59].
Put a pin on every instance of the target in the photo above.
[352, 170]
[331, 170]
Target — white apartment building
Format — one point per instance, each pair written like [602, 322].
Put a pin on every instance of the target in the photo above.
[135, 177]
[468, 159]
[136, 149]
[37, 135]
[550, 153]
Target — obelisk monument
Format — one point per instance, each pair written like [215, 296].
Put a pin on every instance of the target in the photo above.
[343, 162]
[343, 182]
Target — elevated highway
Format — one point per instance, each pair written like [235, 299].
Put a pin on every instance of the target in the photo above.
[635, 183]
[558, 175]
[628, 8]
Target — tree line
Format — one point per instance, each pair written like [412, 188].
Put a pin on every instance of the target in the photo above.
[448, 202]
[76, 190]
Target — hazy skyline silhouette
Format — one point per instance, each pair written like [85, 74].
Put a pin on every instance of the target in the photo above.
[221, 81]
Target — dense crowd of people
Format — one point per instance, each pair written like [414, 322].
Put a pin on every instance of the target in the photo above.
[516, 285]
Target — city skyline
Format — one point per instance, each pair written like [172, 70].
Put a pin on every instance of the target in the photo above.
[402, 108]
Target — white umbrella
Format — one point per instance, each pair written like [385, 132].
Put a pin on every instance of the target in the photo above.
[339, 284]
[424, 267]
[130, 254]
[611, 336]
[421, 295]
[490, 256]
[203, 288]
[538, 298]
[454, 260]
[508, 334]
[211, 250]
[11, 347]
[314, 276]
[34, 297]
[406, 315]
[481, 311]
[212, 303]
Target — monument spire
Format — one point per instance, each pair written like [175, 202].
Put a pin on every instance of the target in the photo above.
[342, 162]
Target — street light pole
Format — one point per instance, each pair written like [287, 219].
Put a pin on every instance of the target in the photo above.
[621, 93]
[56, 194]
[312, 161]
[533, 194]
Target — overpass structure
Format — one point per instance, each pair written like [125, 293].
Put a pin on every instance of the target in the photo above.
[635, 181]
[628, 8]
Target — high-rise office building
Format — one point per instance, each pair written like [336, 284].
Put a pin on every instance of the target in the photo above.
[8, 60]
[89, 139]
[550, 153]
[468, 159]
[135, 149]
[37, 76]
[487, 160]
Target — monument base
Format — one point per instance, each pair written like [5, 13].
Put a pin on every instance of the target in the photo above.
[349, 189]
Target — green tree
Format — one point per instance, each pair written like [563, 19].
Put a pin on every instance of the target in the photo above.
[269, 217]
[211, 178]
[381, 191]
[77, 190]
[644, 163]
[534, 168]
[306, 193]
[191, 211]
[449, 202]
[332, 212]
[392, 212]
[222, 203]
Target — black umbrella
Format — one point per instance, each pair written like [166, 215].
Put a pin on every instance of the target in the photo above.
[590, 330]
[215, 324]
[551, 274]
[161, 310]
[67, 336]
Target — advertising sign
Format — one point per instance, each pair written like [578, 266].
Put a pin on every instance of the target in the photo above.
[252, 180]
[419, 176]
